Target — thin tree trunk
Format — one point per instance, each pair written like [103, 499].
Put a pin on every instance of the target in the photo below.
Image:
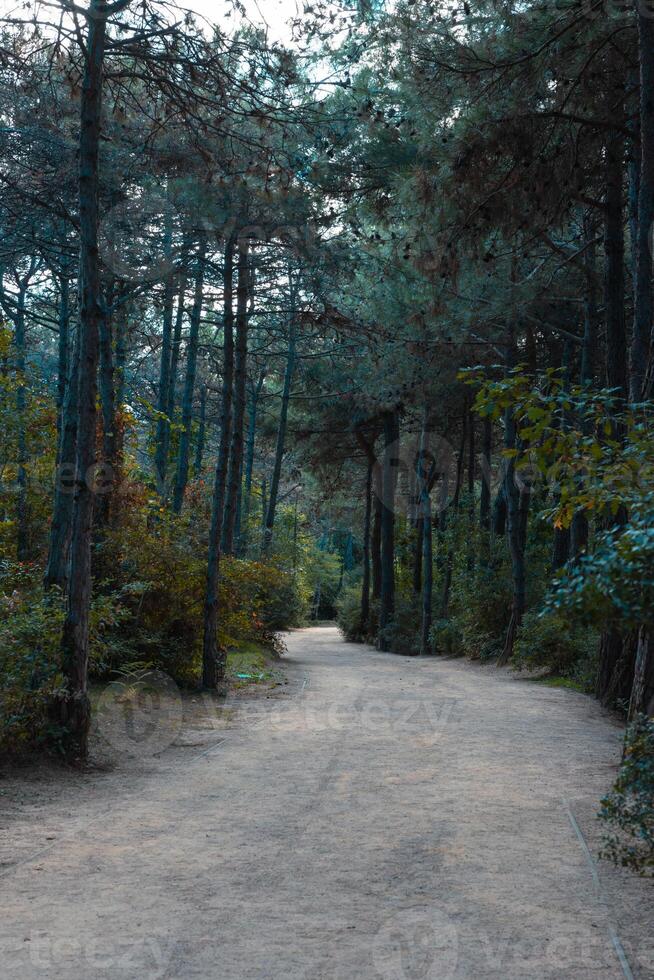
[181, 477]
[642, 325]
[21, 405]
[485, 495]
[579, 526]
[389, 480]
[417, 552]
[202, 427]
[165, 370]
[515, 518]
[449, 562]
[365, 581]
[108, 407]
[235, 470]
[63, 354]
[213, 662]
[642, 693]
[426, 478]
[375, 535]
[56, 569]
[255, 394]
[281, 433]
[611, 641]
[614, 288]
[74, 706]
[176, 344]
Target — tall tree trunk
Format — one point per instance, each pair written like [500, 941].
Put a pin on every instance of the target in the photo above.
[181, 477]
[63, 353]
[614, 287]
[365, 581]
[56, 569]
[611, 642]
[213, 662]
[165, 368]
[562, 535]
[375, 534]
[74, 706]
[426, 478]
[281, 432]
[449, 562]
[255, 394]
[176, 343]
[21, 406]
[202, 427]
[579, 526]
[235, 470]
[108, 478]
[642, 326]
[389, 481]
[417, 551]
[515, 518]
[642, 692]
[485, 496]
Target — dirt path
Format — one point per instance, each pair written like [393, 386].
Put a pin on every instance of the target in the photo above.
[387, 818]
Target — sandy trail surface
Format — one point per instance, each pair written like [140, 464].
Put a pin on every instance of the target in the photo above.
[379, 818]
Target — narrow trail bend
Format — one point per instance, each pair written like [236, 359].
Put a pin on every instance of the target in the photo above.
[391, 818]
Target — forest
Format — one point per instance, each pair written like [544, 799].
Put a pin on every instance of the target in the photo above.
[352, 327]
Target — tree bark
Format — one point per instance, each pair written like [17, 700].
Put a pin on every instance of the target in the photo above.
[642, 325]
[56, 569]
[642, 692]
[63, 353]
[485, 495]
[21, 406]
[202, 428]
[74, 707]
[109, 476]
[281, 432]
[426, 478]
[255, 394]
[516, 524]
[449, 561]
[181, 478]
[365, 580]
[213, 662]
[389, 481]
[611, 652]
[165, 371]
[579, 526]
[235, 469]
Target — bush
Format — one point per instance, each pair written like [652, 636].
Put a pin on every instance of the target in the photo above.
[481, 608]
[629, 808]
[30, 634]
[559, 645]
[446, 637]
[403, 633]
[348, 615]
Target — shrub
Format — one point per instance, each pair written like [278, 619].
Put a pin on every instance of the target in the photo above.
[30, 633]
[628, 809]
[445, 637]
[481, 607]
[561, 646]
[403, 633]
[348, 614]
